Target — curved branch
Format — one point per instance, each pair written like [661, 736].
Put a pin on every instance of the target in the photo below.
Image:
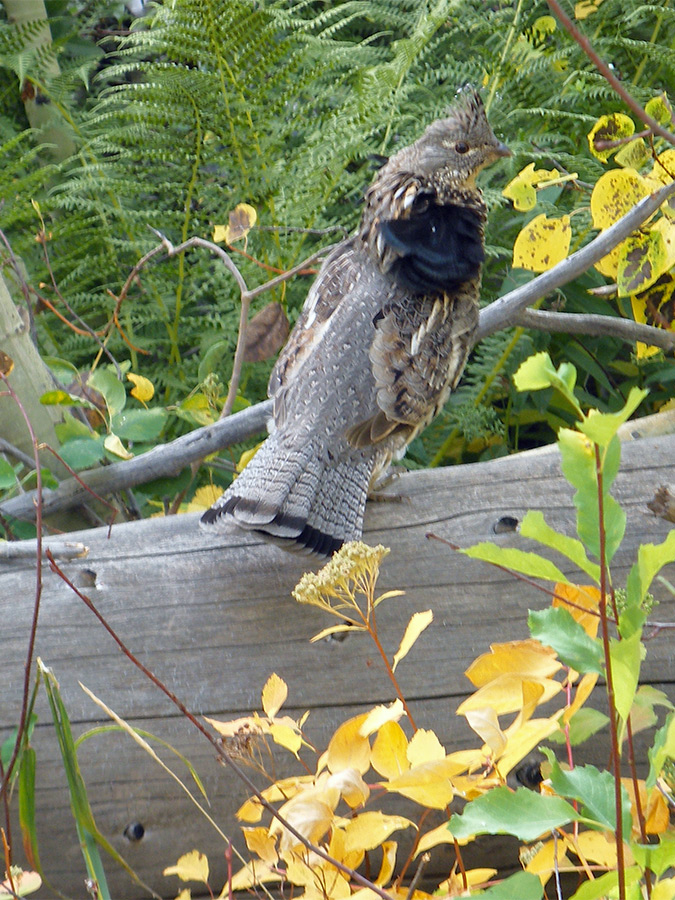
[504, 312]
[576, 323]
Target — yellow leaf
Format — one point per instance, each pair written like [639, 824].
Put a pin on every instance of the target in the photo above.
[418, 622]
[236, 727]
[242, 218]
[642, 261]
[274, 695]
[23, 882]
[389, 849]
[664, 889]
[521, 190]
[594, 846]
[114, 445]
[254, 873]
[454, 885]
[424, 746]
[633, 155]
[185, 894]
[381, 715]
[615, 193]
[608, 129]
[204, 498]
[528, 658]
[369, 829]
[310, 813]
[389, 755]
[428, 784]
[585, 8]
[544, 861]
[439, 835]
[504, 694]
[586, 596]
[259, 841]
[485, 723]
[523, 741]
[663, 169]
[350, 785]
[193, 866]
[348, 748]
[143, 389]
[542, 243]
[286, 736]
[609, 264]
[247, 456]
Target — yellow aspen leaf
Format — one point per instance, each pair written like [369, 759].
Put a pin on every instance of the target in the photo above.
[544, 862]
[609, 265]
[594, 846]
[367, 830]
[573, 596]
[454, 885]
[522, 189]
[380, 715]
[389, 756]
[310, 813]
[185, 894]
[350, 785]
[261, 842]
[429, 784]
[388, 864]
[250, 811]
[485, 723]
[504, 694]
[418, 622]
[581, 695]
[664, 889]
[439, 835]
[274, 695]
[607, 129]
[657, 815]
[241, 219]
[338, 849]
[616, 193]
[204, 498]
[286, 736]
[585, 8]
[523, 741]
[424, 746]
[663, 170]
[633, 155]
[659, 108]
[642, 261]
[542, 243]
[247, 456]
[348, 748]
[143, 388]
[654, 307]
[192, 866]
[253, 873]
[528, 658]
[666, 228]
[114, 445]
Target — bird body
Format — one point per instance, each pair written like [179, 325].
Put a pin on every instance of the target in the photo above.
[381, 342]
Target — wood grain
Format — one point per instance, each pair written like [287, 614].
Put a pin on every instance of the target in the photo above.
[213, 616]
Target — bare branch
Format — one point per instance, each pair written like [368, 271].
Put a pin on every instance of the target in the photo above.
[504, 312]
[574, 323]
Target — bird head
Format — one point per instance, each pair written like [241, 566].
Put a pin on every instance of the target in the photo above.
[456, 148]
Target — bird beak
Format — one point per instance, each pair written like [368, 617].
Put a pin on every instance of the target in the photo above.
[502, 150]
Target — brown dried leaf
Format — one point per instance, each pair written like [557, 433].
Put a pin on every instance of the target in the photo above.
[6, 364]
[266, 333]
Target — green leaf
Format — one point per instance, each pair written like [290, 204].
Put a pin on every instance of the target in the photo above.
[62, 398]
[27, 811]
[63, 371]
[605, 885]
[535, 526]
[594, 790]
[626, 657]
[139, 424]
[537, 373]
[523, 885]
[7, 474]
[650, 560]
[661, 750]
[657, 857]
[518, 560]
[584, 724]
[522, 813]
[108, 384]
[82, 453]
[72, 428]
[602, 427]
[556, 628]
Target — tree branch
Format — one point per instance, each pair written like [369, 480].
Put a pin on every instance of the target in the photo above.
[575, 323]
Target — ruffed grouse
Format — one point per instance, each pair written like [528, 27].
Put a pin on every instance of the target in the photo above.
[380, 343]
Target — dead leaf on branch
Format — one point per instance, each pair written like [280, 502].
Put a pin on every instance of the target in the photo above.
[242, 218]
[266, 333]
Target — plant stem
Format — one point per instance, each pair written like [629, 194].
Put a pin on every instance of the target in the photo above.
[604, 624]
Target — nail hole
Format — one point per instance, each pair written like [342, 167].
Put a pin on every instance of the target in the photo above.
[505, 525]
[86, 578]
[134, 832]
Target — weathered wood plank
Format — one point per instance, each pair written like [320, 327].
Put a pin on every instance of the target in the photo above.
[212, 616]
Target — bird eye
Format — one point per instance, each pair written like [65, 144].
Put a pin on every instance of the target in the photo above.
[461, 147]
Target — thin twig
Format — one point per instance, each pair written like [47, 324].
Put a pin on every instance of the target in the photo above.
[608, 74]
[19, 455]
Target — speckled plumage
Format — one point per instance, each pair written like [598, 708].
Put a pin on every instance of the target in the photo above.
[381, 341]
